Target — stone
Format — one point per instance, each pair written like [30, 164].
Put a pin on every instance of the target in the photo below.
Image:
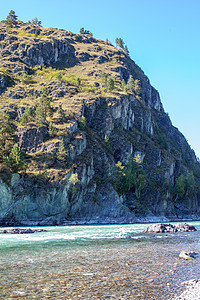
[187, 255]
[21, 230]
[165, 227]
[185, 227]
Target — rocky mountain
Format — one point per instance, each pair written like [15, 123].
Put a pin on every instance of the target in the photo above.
[84, 137]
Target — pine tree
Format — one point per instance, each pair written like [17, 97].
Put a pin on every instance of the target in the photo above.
[11, 20]
[111, 84]
[117, 42]
[27, 116]
[104, 78]
[15, 159]
[78, 80]
[179, 188]
[126, 50]
[123, 84]
[82, 30]
[136, 87]
[121, 43]
[62, 152]
[44, 108]
[130, 83]
[7, 131]
[35, 21]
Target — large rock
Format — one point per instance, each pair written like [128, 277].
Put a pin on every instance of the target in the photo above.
[187, 255]
[31, 139]
[21, 230]
[162, 227]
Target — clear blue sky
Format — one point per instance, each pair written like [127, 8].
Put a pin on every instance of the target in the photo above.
[163, 37]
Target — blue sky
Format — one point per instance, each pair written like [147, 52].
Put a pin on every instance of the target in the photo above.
[163, 37]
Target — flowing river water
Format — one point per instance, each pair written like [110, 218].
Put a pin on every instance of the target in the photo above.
[96, 262]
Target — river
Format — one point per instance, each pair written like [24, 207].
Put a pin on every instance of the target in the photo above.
[96, 262]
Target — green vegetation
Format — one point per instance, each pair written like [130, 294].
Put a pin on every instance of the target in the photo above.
[7, 134]
[43, 109]
[132, 86]
[83, 31]
[119, 43]
[161, 138]
[126, 51]
[82, 122]
[108, 82]
[107, 142]
[129, 178]
[62, 152]
[74, 178]
[11, 20]
[27, 116]
[15, 159]
[185, 187]
[51, 130]
[61, 113]
[35, 21]
[25, 78]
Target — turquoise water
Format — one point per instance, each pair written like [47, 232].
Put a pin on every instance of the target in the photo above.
[96, 262]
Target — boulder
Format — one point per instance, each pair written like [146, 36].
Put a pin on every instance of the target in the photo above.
[187, 255]
[163, 227]
[185, 227]
[21, 230]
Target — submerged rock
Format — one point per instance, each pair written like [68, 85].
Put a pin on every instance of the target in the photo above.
[162, 227]
[21, 230]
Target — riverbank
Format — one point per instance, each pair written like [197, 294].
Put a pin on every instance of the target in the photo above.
[51, 221]
[192, 291]
[97, 262]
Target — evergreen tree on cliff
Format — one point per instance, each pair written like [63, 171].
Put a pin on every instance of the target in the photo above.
[11, 20]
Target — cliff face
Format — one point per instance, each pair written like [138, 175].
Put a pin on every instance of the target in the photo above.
[99, 127]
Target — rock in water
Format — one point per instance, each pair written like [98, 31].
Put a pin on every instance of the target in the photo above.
[187, 255]
[162, 227]
[185, 227]
[21, 230]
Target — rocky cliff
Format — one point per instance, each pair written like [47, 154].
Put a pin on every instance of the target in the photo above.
[97, 147]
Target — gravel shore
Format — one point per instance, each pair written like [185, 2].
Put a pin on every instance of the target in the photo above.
[192, 292]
